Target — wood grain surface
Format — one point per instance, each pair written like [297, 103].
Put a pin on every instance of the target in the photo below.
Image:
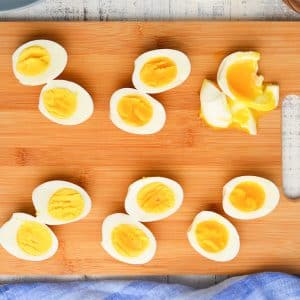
[105, 160]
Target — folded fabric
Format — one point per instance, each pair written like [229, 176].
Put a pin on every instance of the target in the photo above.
[259, 286]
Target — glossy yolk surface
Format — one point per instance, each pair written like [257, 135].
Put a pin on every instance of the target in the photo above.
[60, 103]
[156, 197]
[135, 110]
[34, 238]
[158, 72]
[66, 204]
[129, 241]
[33, 61]
[247, 196]
[212, 236]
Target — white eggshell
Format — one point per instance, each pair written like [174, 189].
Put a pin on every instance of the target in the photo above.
[133, 209]
[116, 219]
[58, 62]
[180, 59]
[42, 194]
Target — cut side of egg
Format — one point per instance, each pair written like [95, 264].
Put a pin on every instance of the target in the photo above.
[249, 197]
[214, 237]
[127, 240]
[136, 112]
[153, 198]
[27, 238]
[65, 102]
[39, 61]
[238, 79]
[60, 202]
[160, 70]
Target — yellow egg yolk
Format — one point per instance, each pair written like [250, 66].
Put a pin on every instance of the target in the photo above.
[247, 196]
[33, 61]
[66, 204]
[129, 240]
[60, 102]
[34, 238]
[158, 72]
[212, 236]
[156, 198]
[135, 110]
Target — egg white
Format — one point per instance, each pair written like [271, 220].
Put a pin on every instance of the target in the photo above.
[271, 201]
[58, 62]
[42, 194]
[8, 238]
[116, 219]
[180, 59]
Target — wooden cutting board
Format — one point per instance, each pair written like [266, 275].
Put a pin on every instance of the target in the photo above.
[105, 160]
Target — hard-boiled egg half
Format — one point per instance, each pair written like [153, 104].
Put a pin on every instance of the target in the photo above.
[27, 238]
[136, 112]
[65, 102]
[249, 197]
[153, 198]
[214, 237]
[160, 70]
[60, 202]
[127, 240]
[38, 61]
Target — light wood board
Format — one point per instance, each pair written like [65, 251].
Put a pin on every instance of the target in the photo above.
[105, 160]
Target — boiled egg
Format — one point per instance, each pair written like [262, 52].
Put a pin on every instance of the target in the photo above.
[38, 61]
[65, 102]
[214, 237]
[60, 202]
[160, 70]
[249, 197]
[127, 240]
[26, 238]
[136, 112]
[238, 79]
[153, 198]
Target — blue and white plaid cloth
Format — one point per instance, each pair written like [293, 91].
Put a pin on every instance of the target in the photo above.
[267, 286]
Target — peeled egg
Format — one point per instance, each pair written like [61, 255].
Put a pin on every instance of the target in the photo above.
[136, 112]
[153, 198]
[26, 238]
[65, 102]
[37, 62]
[249, 197]
[127, 240]
[160, 70]
[214, 237]
[238, 79]
[60, 202]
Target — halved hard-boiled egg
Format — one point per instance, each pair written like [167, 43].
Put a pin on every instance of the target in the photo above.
[238, 79]
[60, 202]
[136, 112]
[27, 238]
[65, 102]
[38, 61]
[127, 240]
[214, 237]
[153, 198]
[249, 197]
[160, 70]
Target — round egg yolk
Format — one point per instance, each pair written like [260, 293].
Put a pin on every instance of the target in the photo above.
[60, 103]
[158, 72]
[156, 198]
[34, 238]
[247, 196]
[135, 110]
[65, 204]
[129, 240]
[33, 61]
[212, 236]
